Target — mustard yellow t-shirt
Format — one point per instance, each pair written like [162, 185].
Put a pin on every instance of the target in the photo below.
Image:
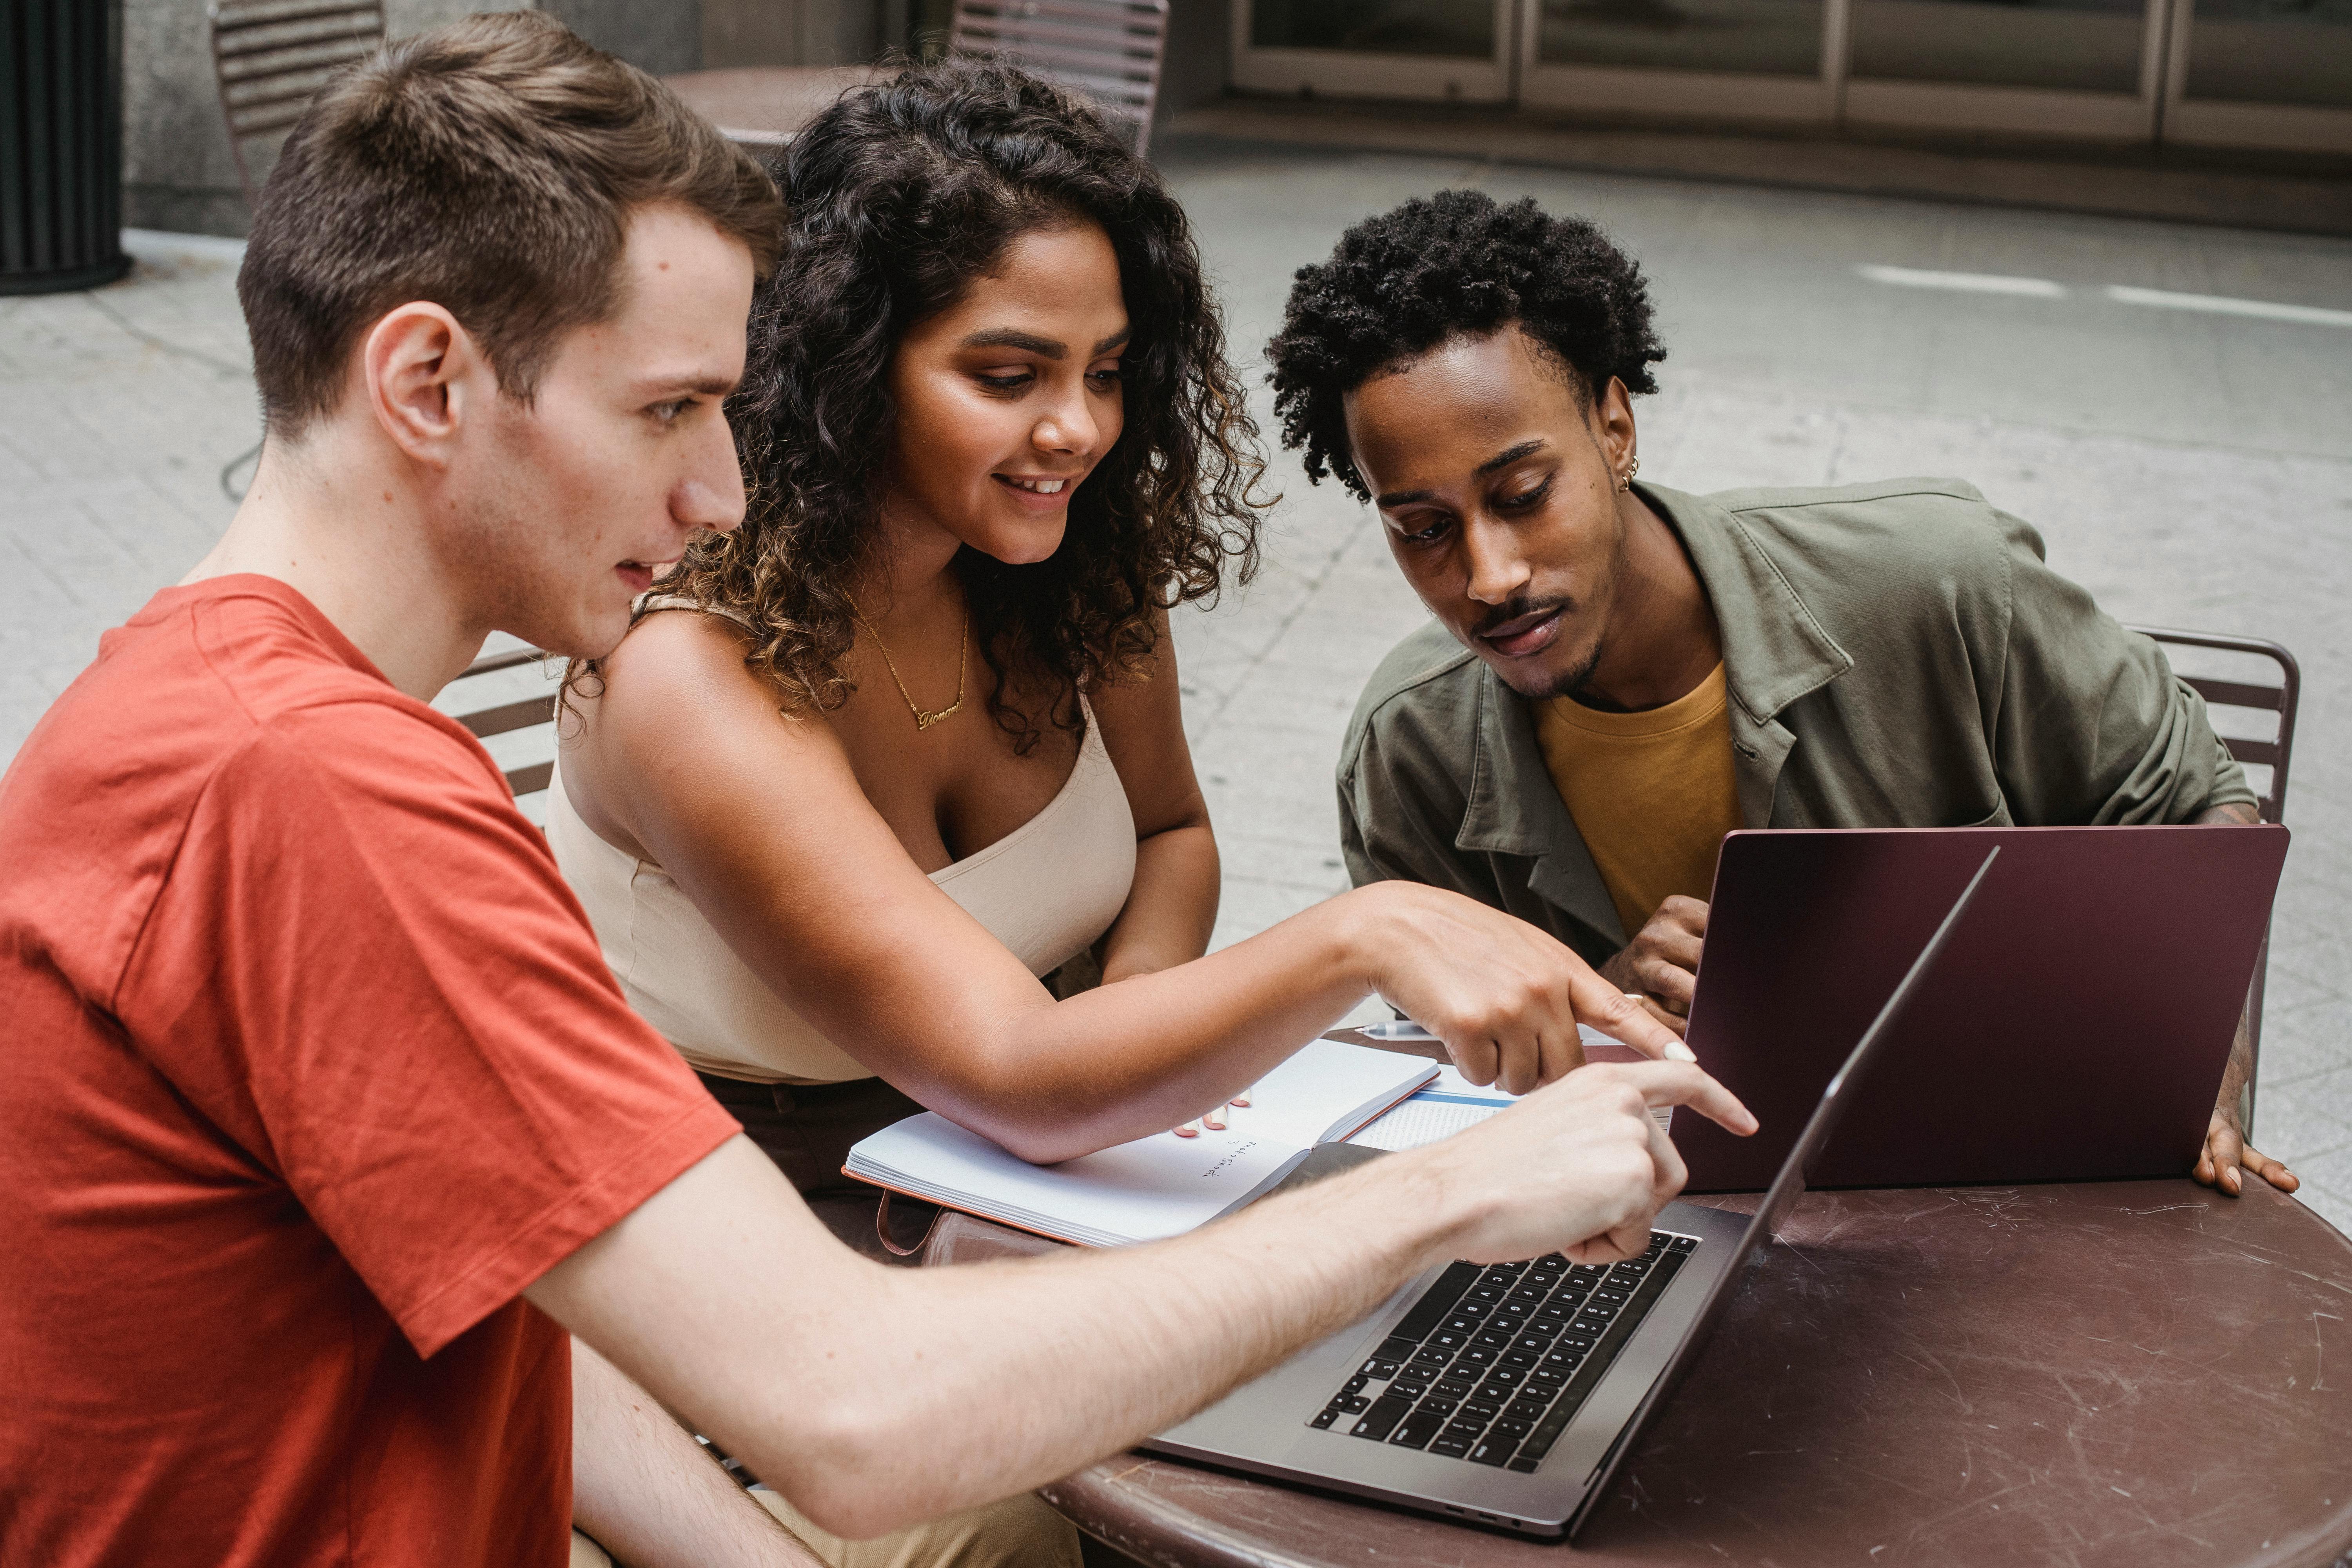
[1653, 794]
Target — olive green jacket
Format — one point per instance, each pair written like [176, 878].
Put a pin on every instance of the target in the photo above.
[1898, 654]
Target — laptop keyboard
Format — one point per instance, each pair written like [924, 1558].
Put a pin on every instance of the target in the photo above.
[1492, 1363]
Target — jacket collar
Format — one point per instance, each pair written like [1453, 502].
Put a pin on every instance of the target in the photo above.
[1774, 652]
[1514, 808]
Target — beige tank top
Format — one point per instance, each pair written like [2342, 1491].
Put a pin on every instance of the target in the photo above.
[1046, 890]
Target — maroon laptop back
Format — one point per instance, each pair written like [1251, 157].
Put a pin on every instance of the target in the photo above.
[2074, 1029]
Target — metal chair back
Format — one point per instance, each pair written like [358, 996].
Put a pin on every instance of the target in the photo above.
[510, 717]
[1109, 50]
[2259, 697]
[270, 58]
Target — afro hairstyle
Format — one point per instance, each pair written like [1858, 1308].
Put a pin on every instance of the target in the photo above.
[1446, 266]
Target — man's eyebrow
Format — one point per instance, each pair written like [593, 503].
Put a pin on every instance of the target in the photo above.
[1504, 459]
[705, 386]
[1010, 338]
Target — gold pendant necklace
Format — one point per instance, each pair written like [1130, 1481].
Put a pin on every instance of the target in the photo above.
[924, 720]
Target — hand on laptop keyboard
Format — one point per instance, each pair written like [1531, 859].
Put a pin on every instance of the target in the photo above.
[1492, 1363]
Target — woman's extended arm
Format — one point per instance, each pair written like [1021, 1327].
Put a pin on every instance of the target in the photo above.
[759, 819]
[1173, 906]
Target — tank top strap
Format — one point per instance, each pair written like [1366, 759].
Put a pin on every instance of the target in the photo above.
[653, 600]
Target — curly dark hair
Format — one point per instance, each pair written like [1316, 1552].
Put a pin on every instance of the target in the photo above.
[901, 195]
[1441, 267]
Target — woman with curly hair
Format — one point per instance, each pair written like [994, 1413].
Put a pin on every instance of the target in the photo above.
[877, 773]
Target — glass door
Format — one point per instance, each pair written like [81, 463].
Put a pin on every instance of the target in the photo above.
[2072, 68]
[2262, 73]
[1742, 59]
[2249, 73]
[1456, 51]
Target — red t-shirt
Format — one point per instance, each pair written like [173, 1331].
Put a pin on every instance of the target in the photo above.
[309, 1065]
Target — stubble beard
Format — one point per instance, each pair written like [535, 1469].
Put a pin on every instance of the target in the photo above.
[1572, 683]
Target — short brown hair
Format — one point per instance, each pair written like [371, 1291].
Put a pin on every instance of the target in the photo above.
[490, 167]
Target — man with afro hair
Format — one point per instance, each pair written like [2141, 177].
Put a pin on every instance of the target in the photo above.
[1617, 673]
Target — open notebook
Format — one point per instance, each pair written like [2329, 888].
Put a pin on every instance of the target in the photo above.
[1157, 1186]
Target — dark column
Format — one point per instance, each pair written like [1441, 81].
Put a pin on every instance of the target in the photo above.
[60, 146]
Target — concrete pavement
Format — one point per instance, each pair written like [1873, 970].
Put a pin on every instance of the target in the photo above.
[2189, 462]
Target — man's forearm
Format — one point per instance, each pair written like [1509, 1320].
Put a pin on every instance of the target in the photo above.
[2240, 812]
[874, 1397]
[943, 1388]
[649, 1495]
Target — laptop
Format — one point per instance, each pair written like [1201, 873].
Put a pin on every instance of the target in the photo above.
[2075, 1031]
[1506, 1396]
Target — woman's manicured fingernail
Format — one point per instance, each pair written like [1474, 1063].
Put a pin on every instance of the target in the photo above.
[1678, 1052]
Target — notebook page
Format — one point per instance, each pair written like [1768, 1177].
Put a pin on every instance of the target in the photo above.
[1158, 1187]
[1446, 1105]
[1155, 1186]
[1326, 1090]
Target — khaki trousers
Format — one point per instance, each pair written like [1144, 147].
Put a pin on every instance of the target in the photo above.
[1019, 1532]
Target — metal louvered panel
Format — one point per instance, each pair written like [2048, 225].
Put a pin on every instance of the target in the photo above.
[270, 58]
[60, 146]
[265, 68]
[230, 15]
[1109, 50]
[237, 42]
[1110, 91]
[1040, 51]
[1135, 27]
[1104, 45]
[263, 121]
[1098, 13]
[297, 85]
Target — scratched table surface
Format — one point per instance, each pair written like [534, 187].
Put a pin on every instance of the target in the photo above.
[2135, 1373]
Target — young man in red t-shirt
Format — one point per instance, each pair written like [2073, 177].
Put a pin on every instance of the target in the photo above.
[320, 1118]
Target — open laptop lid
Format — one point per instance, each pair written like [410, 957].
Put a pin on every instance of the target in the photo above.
[1787, 1187]
[2105, 967]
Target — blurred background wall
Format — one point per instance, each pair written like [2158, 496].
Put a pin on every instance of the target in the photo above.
[178, 174]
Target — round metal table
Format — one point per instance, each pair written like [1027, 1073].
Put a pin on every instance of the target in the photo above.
[2134, 1374]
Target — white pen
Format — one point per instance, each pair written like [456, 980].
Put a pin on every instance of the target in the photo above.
[1407, 1029]
[1395, 1029]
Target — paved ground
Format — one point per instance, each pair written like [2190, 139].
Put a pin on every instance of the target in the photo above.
[2191, 467]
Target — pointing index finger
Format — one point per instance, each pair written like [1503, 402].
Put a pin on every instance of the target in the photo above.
[1680, 1083]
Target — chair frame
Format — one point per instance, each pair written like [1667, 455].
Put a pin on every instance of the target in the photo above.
[508, 717]
[1111, 50]
[270, 58]
[2282, 700]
